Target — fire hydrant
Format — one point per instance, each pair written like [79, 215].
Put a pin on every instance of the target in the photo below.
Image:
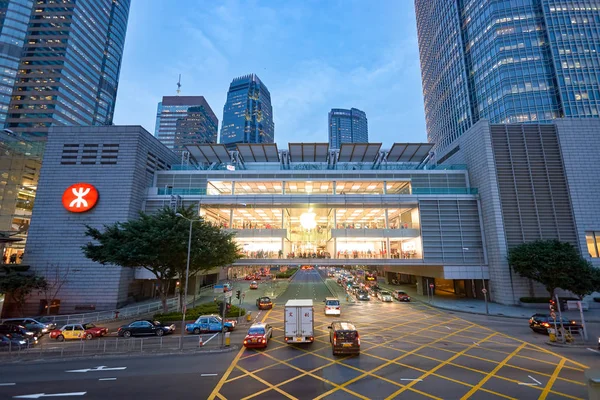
[116, 314]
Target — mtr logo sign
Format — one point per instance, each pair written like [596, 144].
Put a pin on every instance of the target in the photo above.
[80, 197]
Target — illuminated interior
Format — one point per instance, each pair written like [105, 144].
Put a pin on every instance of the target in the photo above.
[291, 187]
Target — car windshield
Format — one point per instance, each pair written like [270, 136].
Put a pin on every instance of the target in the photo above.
[385, 293]
[265, 300]
[333, 302]
[88, 326]
[256, 331]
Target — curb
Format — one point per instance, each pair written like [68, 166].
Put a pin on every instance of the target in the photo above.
[567, 346]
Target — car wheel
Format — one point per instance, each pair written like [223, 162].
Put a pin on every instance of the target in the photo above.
[127, 334]
[160, 332]
[60, 338]
[196, 331]
[225, 329]
[89, 336]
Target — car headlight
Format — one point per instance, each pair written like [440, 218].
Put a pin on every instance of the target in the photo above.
[45, 330]
[22, 342]
[29, 333]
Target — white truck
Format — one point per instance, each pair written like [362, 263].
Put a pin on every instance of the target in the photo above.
[299, 322]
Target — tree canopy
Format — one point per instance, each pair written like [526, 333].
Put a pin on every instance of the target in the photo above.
[555, 264]
[159, 243]
[18, 284]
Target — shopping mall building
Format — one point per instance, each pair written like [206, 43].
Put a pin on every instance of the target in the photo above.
[444, 220]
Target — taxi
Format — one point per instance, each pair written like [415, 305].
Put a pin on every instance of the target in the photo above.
[258, 335]
[264, 303]
[78, 331]
[254, 285]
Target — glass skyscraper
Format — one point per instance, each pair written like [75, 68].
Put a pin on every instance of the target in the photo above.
[69, 66]
[507, 61]
[247, 114]
[347, 126]
[183, 120]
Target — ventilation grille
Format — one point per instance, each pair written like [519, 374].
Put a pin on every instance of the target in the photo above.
[89, 154]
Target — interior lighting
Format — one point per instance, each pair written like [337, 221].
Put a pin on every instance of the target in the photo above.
[307, 220]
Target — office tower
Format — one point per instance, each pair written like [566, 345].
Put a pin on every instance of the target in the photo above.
[14, 19]
[69, 67]
[182, 120]
[347, 126]
[525, 61]
[247, 114]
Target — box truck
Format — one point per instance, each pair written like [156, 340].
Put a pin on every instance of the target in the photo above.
[299, 321]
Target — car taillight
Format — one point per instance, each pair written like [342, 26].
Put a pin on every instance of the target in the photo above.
[546, 324]
[337, 308]
[245, 342]
[311, 338]
[334, 338]
[357, 339]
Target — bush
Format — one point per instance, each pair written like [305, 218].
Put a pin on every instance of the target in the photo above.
[286, 274]
[202, 309]
[597, 299]
[537, 300]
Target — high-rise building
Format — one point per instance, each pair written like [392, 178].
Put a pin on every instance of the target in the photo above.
[182, 120]
[14, 20]
[347, 126]
[247, 114]
[69, 66]
[524, 61]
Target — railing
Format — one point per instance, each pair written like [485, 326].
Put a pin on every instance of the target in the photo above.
[202, 192]
[316, 166]
[444, 190]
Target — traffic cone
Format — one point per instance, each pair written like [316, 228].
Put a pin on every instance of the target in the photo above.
[200, 343]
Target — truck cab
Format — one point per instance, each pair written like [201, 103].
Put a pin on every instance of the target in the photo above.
[299, 321]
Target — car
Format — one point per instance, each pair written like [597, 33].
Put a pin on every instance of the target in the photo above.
[210, 323]
[257, 277]
[258, 335]
[363, 295]
[264, 303]
[254, 285]
[332, 306]
[145, 327]
[12, 342]
[401, 295]
[385, 295]
[14, 329]
[249, 277]
[339, 281]
[541, 322]
[344, 338]
[31, 324]
[78, 331]
[354, 288]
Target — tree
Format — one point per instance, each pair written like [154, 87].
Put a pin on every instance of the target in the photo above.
[159, 243]
[554, 264]
[56, 277]
[18, 285]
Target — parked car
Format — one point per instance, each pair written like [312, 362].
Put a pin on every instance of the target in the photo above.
[541, 322]
[344, 338]
[78, 331]
[145, 327]
[332, 306]
[385, 296]
[363, 295]
[8, 342]
[258, 335]
[14, 329]
[401, 295]
[254, 285]
[31, 324]
[264, 303]
[210, 323]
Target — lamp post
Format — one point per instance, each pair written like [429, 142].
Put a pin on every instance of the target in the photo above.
[484, 290]
[187, 275]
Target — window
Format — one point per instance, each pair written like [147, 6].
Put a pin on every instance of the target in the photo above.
[593, 243]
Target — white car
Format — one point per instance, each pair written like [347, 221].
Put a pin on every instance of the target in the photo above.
[332, 306]
[384, 295]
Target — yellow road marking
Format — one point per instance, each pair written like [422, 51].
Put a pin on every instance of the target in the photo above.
[269, 386]
[223, 379]
[551, 380]
[492, 373]
[220, 396]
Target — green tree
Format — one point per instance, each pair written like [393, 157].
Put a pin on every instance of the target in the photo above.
[17, 285]
[554, 264]
[159, 243]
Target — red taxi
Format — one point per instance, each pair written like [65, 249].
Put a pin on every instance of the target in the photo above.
[254, 285]
[78, 331]
[258, 335]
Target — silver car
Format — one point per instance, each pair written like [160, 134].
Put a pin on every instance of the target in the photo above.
[385, 296]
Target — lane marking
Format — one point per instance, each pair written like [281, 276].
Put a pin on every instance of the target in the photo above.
[531, 384]
[8, 384]
[552, 379]
[594, 350]
[107, 379]
[208, 374]
[404, 379]
[448, 328]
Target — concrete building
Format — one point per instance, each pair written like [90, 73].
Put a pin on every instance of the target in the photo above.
[347, 126]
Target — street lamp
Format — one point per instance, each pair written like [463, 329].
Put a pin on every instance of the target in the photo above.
[187, 275]
[484, 290]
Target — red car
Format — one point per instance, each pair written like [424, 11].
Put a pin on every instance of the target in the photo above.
[401, 295]
[257, 277]
[78, 331]
[258, 335]
[249, 278]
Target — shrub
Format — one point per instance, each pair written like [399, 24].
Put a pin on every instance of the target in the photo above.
[286, 274]
[537, 300]
[202, 309]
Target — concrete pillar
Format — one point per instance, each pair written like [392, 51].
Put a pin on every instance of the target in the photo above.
[231, 218]
[387, 226]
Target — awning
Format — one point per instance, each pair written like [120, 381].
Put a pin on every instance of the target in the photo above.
[358, 152]
[309, 152]
[409, 152]
[258, 152]
[209, 153]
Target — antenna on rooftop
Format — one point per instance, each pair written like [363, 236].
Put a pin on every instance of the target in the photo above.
[179, 85]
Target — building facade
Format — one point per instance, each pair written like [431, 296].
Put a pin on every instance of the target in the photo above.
[524, 61]
[247, 114]
[69, 67]
[347, 126]
[183, 120]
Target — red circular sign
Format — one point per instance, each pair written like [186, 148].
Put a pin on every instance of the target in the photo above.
[80, 197]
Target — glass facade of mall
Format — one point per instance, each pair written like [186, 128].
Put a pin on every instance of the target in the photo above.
[519, 61]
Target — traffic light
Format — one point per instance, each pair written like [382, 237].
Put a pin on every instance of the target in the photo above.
[553, 305]
[237, 294]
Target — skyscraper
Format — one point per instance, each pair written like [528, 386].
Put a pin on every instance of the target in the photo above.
[182, 120]
[525, 61]
[69, 67]
[347, 126]
[247, 114]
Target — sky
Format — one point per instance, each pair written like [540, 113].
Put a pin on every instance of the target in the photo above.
[312, 56]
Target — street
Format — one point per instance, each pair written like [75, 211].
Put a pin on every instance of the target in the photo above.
[408, 350]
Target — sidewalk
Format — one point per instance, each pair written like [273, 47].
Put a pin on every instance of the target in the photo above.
[447, 301]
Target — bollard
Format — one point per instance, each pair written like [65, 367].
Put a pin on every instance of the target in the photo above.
[200, 343]
[593, 383]
[249, 316]
[227, 339]
[552, 335]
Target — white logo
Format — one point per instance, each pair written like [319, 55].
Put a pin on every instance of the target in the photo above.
[79, 201]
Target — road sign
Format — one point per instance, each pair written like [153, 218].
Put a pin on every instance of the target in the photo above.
[431, 285]
[228, 294]
[484, 290]
[553, 315]
[218, 289]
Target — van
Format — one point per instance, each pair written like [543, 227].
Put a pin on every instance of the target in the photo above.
[332, 306]
[344, 338]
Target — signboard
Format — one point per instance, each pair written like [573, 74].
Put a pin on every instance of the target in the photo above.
[231, 168]
[218, 289]
[80, 197]
[228, 294]
[484, 291]
[431, 285]
[553, 315]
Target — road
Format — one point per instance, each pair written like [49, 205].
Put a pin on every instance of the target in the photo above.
[408, 350]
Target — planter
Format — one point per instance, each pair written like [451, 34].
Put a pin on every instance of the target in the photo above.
[539, 306]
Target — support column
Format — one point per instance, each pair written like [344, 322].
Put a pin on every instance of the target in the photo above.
[283, 227]
[385, 189]
[232, 187]
[282, 187]
[334, 255]
[231, 218]
[387, 226]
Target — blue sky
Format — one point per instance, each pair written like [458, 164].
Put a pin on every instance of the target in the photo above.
[312, 55]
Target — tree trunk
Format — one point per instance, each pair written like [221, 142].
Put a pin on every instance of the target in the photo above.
[531, 291]
[164, 292]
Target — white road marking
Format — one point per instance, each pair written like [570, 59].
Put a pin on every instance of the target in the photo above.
[594, 350]
[208, 374]
[448, 328]
[531, 384]
[411, 380]
[476, 344]
[8, 384]
[100, 368]
[38, 395]
[107, 379]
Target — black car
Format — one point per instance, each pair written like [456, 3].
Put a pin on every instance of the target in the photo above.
[541, 322]
[13, 329]
[145, 327]
[12, 342]
[363, 295]
[264, 303]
